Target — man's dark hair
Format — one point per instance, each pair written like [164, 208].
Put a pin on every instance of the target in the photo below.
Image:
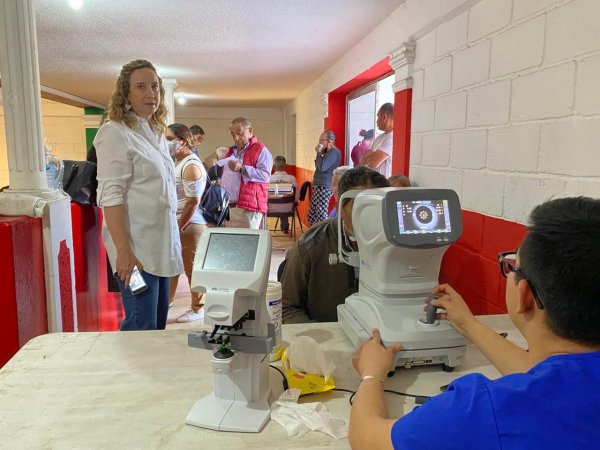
[387, 108]
[280, 159]
[560, 257]
[360, 176]
[196, 129]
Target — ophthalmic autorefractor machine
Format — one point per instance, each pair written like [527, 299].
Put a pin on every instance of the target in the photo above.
[402, 235]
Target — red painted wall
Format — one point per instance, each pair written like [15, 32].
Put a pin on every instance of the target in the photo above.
[470, 265]
[97, 309]
[401, 145]
[23, 301]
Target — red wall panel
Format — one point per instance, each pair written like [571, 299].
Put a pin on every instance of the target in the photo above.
[470, 265]
[23, 299]
[97, 309]
[401, 145]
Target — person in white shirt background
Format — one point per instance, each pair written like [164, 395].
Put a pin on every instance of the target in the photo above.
[379, 155]
[136, 191]
[281, 176]
[190, 182]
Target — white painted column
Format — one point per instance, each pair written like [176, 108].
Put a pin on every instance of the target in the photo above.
[169, 85]
[28, 193]
[21, 96]
[402, 60]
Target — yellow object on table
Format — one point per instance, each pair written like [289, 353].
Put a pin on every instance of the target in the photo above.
[308, 383]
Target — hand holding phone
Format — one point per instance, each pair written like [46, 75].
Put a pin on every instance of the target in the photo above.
[136, 282]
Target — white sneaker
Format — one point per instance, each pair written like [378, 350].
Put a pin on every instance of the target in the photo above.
[190, 316]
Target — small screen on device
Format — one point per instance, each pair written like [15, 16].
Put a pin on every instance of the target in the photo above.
[423, 217]
[231, 252]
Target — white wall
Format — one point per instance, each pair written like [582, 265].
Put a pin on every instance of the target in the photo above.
[506, 104]
[267, 123]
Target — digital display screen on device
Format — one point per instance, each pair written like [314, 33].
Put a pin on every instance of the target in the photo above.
[423, 217]
[231, 252]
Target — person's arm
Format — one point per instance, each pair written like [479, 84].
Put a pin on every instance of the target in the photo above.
[374, 158]
[115, 171]
[193, 186]
[503, 354]
[115, 218]
[370, 425]
[262, 172]
[294, 280]
[328, 160]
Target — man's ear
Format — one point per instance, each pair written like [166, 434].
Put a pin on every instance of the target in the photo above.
[526, 301]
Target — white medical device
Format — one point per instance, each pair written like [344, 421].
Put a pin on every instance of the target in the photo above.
[232, 268]
[402, 235]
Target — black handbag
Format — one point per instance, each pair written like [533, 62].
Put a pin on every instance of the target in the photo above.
[79, 181]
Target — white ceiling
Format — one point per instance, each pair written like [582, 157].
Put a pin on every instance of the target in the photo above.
[221, 52]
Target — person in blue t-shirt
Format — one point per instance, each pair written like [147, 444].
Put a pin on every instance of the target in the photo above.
[549, 395]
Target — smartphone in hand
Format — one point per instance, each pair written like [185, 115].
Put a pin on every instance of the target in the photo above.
[136, 282]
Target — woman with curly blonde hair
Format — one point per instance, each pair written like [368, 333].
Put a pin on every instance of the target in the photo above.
[136, 191]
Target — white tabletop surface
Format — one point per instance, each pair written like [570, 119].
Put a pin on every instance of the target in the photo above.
[134, 390]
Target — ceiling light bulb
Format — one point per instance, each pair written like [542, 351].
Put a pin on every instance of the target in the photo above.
[76, 4]
[181, 100]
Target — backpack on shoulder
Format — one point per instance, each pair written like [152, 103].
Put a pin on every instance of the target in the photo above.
[214, 204]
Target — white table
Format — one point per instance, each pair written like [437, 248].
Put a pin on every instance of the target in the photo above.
[134, 390]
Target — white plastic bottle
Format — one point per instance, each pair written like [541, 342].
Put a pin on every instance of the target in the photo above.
[274, 309]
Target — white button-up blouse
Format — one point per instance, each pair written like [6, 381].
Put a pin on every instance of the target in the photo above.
[135, 170]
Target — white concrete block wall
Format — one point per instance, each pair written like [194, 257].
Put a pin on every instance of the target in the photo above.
[523, 8]
[544, 93]
[513, 148]
[416, 149]
[488, 16]
[438, 78]
[471, 65]
[530, 73]
[436, 149]
[587, 93]
[426, 53]
[452, 35]
[418, 85]
[483, 192]
[523, 193]
[572, 30]
[571, 147]
[489, 104]
[468, 149]
[518, 48]
[435, 177]
[423, 116]
[451, 111]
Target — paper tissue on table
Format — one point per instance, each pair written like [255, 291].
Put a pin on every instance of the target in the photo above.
[307, 367]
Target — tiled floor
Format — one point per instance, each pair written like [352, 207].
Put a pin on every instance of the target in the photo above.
[281, 243]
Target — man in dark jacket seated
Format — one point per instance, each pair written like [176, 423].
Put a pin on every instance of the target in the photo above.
[312, 288]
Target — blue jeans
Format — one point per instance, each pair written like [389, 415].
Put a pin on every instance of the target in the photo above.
[147, 310]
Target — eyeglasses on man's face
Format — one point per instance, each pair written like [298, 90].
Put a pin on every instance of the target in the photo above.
[508, 263]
